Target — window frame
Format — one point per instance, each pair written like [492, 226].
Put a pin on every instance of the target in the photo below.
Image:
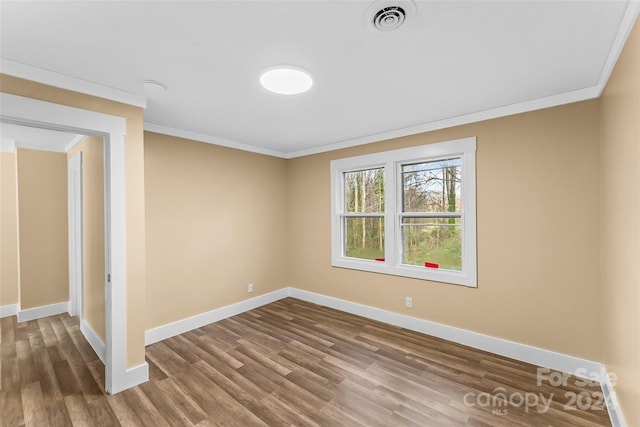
[392, 162]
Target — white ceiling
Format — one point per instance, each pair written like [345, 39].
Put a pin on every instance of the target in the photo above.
[451, 62]
[12, 136]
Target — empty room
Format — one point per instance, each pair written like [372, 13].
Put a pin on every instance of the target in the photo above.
[320, 213]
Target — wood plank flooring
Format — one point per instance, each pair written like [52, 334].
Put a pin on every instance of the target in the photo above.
[289, 363]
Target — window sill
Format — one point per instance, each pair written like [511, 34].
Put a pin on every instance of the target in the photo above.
[401, 270]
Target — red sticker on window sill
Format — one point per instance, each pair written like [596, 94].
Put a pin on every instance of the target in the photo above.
[380, 259]
[431, 265]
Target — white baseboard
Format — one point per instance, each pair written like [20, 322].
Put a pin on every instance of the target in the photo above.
[43, 311]
[523, 352]
[137, 375]
[526, 353]
[131, 378]
[615, 413]
[8, 310]
[181, 326]
[536, 356]
[94, 340]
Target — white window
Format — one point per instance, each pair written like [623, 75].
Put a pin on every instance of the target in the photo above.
[408, 212]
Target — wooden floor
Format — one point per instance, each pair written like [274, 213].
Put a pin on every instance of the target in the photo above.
[287, 363]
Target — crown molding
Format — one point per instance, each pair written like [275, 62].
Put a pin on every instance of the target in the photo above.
[508, 110]
[39, 147]
[51, 78]
[624, 29]
[210, 139]
[494, 113]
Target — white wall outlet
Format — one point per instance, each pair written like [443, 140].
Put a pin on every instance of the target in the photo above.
[250, 287]
[408, 302]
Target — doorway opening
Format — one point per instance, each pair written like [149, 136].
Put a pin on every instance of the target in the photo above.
[45, 115]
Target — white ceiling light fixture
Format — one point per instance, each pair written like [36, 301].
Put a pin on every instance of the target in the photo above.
[286, 79]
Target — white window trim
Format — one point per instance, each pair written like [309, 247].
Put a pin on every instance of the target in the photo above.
[392, 161]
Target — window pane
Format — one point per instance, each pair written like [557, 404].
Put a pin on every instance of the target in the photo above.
[364, 191]
[432, 240]
[364, 237]
[432, 186]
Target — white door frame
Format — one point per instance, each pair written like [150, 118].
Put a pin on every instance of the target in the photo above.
[41, 114]
[76, 258]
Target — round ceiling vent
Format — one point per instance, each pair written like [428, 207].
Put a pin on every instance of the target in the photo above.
[389, 18]
[389, 15]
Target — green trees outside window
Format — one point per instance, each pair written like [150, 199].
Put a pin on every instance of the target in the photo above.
[364, 194]
[409, 212]
[430, 216]
[431, 220]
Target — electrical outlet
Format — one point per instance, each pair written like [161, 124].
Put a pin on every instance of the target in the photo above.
[408, 302]
[250, 287]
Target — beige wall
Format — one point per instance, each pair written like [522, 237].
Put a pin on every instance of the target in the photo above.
[92, 231]
[620, 206]
[8, 230]
[537, 228]
[43, 230]
[134, 172]
[216, 221]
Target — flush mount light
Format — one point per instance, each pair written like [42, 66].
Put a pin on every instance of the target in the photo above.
[286, 79]
[154, 86]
